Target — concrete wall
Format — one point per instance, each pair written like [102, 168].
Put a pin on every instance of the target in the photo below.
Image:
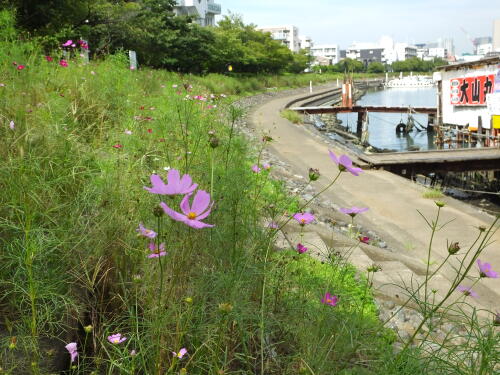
[496, 35]
[465, 115]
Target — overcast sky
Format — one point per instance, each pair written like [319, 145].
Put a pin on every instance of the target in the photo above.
[343, 22]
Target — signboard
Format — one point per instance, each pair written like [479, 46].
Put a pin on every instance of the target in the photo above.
[493, 103]
[133, 60]
[471, 91]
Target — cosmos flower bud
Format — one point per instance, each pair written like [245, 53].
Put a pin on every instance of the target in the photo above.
[158, 211]
[481, 228]
[88, 329]
[214, 141]
[314, 174]
[267, 138]
[453, 248]
[439, 204]
[13, 342]
[188, 300]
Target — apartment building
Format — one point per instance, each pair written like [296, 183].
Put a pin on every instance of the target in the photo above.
[326, 54]
[287, 35]
[203, 11]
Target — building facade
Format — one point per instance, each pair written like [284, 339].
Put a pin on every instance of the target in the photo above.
[496, 35]
[466, 92]
[287, 35]
[203, 11]
[305, 42]
[326, 54]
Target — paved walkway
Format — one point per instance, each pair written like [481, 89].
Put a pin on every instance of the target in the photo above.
[393, 200]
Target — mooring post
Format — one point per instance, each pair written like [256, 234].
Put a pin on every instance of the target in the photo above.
[359, 125]
[364, 128]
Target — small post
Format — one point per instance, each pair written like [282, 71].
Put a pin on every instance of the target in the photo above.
[338, 83]
[359, 125]
[133, 60]
[310, 87]
[364, 128]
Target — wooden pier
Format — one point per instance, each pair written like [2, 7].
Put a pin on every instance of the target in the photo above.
[364, 109]
[414, 162]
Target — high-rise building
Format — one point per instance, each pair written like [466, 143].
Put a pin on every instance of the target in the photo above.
[203, 11]
[496, 35]
[287, 35]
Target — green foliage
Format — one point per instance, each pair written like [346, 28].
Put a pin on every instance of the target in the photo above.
[349, 66]
[415, 64]
[292, 116]
[376, 67]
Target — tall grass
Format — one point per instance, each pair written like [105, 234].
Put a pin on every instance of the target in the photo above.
[77, 145]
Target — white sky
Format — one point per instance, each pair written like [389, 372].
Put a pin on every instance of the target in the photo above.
[343, 22]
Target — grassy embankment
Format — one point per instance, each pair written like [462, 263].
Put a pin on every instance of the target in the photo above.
[77, 145]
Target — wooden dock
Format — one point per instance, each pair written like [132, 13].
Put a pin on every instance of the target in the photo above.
[458, 160]
[358, 108]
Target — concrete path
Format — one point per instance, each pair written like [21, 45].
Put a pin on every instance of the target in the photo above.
[393, 201]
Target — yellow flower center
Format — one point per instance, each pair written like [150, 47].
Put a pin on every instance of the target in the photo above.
[191, 216]
[116, 341]
[302, 221]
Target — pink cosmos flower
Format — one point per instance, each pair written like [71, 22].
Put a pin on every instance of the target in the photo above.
[328, 299]
[353, 211]
[128, 132]
[20, 67]
[2, 84]
[118, 146]
[117, 338]
[49, 59]
[301, 248]
[156, 251]
[255, 168]
[176, 184]
[181, 353]
[467, 291]
[146, 232]
[68, 43]
[175, 86]
[364, 239]
[71, 348]
[266, 166]
[486, 271]
[345, 164]
[63, 63]
[12, 125]
[192, 215]
[304, 218]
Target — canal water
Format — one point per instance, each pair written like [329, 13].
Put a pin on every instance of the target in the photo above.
[382, 126]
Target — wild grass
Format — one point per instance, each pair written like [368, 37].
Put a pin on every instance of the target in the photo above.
[78, 144]
[292, 116]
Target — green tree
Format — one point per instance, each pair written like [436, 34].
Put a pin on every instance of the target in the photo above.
[349, 65]
[376, 67]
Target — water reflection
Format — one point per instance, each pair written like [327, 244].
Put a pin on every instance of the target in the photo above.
[382, 128]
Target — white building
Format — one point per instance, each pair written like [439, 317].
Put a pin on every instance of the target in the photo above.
[404, 51]
[496, 35]
[287, 35]
[305, 42]
[331, 52]
[438, 52]
[204, 11]
[484, 49]
[464, 89]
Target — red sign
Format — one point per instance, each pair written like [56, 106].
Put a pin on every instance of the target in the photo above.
[471, 90]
